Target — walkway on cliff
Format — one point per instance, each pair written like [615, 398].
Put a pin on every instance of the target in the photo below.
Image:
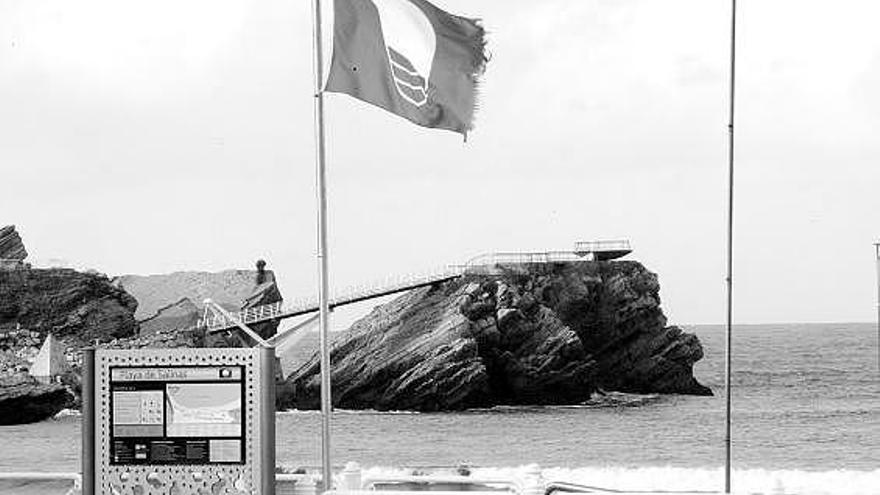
[482, 265]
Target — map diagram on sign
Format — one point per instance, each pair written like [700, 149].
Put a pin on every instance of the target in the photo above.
[137, 413]
[203, 410]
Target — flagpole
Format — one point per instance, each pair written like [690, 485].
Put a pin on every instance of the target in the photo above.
[729, 333]
[877, 261]
[324, 292]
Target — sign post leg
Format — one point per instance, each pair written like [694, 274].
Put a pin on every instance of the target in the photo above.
[88, 421]
[267, 421]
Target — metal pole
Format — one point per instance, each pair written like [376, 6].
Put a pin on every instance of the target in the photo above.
[267, 421]
[877, 256]
[87, 395]
[324, 292]
[729, 334]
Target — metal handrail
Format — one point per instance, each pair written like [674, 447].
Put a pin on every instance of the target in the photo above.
[40, 476]
[302, 305]
[399, 492]
[511, 258]
[74, 478]
[566, 487]
[512, 485]
[598, 246]
[562, 486]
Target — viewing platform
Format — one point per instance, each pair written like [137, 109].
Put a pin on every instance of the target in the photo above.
[603, 250]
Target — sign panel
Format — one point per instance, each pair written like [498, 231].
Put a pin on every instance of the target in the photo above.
[181, 421]
[177, 415]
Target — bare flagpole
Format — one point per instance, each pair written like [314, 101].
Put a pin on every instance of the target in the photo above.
[877, 261]
[729, 333]
[324, 292]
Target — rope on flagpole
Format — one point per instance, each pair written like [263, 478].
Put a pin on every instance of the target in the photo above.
[323, 272]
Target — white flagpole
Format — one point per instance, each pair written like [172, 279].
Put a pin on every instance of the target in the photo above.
[877, 261]
[729, 333]
[324, 292]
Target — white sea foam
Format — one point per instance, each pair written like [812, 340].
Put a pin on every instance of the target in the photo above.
[344, 411]
[609, 399]
[746, 481]
[68, 412]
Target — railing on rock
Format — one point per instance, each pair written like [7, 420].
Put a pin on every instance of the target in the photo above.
[494, 259]
[348, 295]
[483, 264]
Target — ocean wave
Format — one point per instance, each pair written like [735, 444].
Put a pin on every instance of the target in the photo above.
[344, 411]
[64, 413]
[598, 401]
[752, 481]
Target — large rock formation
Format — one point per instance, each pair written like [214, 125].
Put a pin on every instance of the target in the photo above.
[76, 307]
[155, 292]
[25, 400]
[175, 300]
[11, 246]
[177, 315]
[528, 334]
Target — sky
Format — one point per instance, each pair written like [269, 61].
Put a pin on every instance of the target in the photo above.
[151, 137]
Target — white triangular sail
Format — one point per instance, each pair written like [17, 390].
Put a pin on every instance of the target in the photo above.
[50, 361]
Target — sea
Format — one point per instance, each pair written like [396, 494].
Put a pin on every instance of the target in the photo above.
[806, 420]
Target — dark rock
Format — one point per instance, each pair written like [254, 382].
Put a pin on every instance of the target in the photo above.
[155, 292]
[536, 334]
[615, 310]
[11, 246]
[176, 300]
[416, 352]
[76, 307]
[178, 315]
[25, 400]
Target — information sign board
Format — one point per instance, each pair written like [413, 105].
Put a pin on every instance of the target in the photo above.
[177, 415]
[195, 420]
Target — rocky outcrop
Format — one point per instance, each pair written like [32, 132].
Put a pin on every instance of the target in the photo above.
[416, 352]
[530, 334]
[175, 300]
[18, 350]
[76, 307]
[25, 400]
[11, 246]
[155, 292]
[179, 314]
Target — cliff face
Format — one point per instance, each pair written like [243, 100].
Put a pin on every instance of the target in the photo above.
[175, 300]
[76, 307]
[155, 292]
[532, 334]
[180, 314]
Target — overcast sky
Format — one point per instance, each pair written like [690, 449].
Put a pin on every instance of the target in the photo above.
[149, 137]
